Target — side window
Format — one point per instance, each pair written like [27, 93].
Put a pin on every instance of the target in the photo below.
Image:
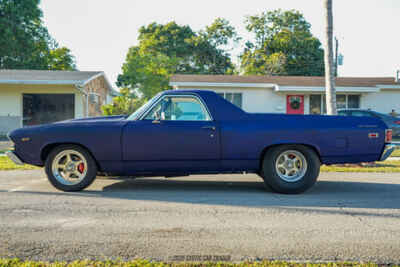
[179, 108]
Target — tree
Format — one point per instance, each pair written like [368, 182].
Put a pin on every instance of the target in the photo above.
[146, 73]
[329, 68]
[124, 104]
[61, 59]
[24, 42]
[166, 49]
[283, 45]
[220, 37]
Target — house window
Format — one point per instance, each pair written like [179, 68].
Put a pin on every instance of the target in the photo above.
[315, 104]
[341, 101]
[234, 98]
[318, 103]
[353, 101]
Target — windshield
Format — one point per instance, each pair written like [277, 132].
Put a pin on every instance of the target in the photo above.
[143, 108]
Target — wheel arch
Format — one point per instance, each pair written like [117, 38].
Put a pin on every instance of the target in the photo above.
[267, 148]
[45, 151]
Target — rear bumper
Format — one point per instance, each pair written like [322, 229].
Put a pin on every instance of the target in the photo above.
[388, 150]
[14, 158]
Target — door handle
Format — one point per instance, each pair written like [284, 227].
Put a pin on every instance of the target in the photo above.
[156, 122]
[209, 127]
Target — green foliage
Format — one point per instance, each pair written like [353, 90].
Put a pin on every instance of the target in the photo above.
[283, 45]
[24, 41]
[147, 72]
[396, 153]
[164, 50]
[124, 104]
[61, 59]
[380, 167]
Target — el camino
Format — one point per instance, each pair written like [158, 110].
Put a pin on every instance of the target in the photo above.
[179, 133]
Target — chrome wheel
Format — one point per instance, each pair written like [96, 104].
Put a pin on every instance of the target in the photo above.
[69, 167]
[291, 166]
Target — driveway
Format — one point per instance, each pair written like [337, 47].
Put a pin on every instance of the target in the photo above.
[344, 217]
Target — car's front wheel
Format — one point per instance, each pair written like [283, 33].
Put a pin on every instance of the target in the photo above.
[70, 168]
[290, 169]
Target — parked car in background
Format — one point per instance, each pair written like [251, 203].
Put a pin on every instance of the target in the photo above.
[392, 122]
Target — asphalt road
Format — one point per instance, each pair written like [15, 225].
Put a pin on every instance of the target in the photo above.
[353, 217]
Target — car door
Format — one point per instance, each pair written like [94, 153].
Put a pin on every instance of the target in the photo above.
[177, 134]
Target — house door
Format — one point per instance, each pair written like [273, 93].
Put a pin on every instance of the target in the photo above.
[295, 104]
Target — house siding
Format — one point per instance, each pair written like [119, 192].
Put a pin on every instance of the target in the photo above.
[11, 102]
[254, 100]
[266, 100]
[96, 86]
[384, 101]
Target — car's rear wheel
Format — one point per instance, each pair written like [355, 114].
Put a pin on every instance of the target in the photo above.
[290, 169]
[70, 168]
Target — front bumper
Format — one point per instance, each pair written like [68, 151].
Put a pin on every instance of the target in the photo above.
[388, 150]
[14, 158]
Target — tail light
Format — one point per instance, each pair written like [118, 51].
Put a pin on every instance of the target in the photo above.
[397, 122]
[388, 135]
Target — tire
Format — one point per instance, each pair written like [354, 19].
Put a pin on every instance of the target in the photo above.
[292, 176]
[70, 168]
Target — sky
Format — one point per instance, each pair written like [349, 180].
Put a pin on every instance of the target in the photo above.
[100, 32]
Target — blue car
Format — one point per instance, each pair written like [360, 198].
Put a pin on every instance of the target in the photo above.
[179, 133]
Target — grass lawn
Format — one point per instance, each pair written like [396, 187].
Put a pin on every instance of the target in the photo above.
[396, 153]
[144, 263]
[384, 166]
[6, 164]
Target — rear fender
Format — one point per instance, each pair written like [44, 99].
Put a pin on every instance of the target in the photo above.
[314, 147]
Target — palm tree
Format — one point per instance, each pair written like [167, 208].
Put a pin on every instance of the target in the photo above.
[329, 68]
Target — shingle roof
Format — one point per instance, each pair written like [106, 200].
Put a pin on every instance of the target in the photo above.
[47, 76]
[285, 80]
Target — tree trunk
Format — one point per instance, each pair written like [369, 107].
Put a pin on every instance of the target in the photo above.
[329, 68]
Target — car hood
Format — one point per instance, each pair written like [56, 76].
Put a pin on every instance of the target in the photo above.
[95, 119]
[37, 129]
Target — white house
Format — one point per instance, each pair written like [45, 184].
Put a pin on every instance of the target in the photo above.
[30, 97]
[296, 94]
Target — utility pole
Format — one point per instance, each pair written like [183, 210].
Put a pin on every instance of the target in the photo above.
[329, 64]
[336, 56]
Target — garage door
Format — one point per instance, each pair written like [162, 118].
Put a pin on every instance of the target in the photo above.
[47, 108]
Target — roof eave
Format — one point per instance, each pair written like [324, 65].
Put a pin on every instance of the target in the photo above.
[350, 89]
[51, 82]
[217, 84]
[388, 86]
